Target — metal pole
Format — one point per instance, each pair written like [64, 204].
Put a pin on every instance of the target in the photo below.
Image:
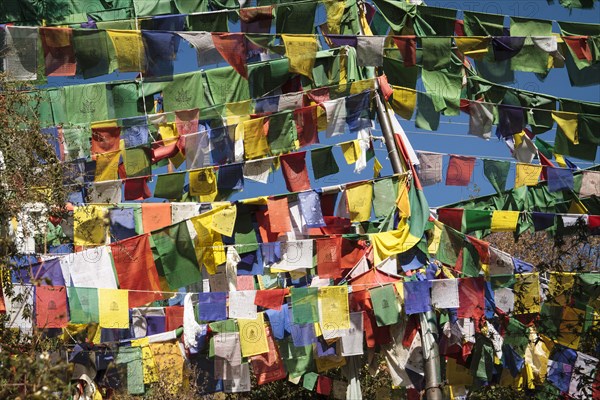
[428, 320]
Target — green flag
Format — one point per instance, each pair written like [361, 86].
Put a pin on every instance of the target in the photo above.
[304, 305]
[531, 58]
[385, 305]
[177, 255]
[496, 172]
[245, 235]
[137, 162]
[545, 148]
[323, 162]
[170, 186]
[427, 117]
[385, 192]
[295, 18]
[477, 220]
[208, 22]
[309, 380]
[436, 53]
[481, 24]
[83, 305]
[282, 133]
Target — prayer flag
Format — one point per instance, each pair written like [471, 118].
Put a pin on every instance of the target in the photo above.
[527, 175]
[329, 257]
[481, 117]
[88, 225]
[253, 338]
[212, 306]
[304, 305]
[472, 297]
[360, 198]
[105, 139]
[559, 179]
[255, 138]
[504, 221]
[113, 306]
[203, 183]
[83, 305]
[301, 51]
[59, 52]
[129, 49]
[407, 45]
[232, 46]
[51, 307]
[136, 270]
[177, 255]
[369, 50]
[385, 305]
[155, 216]
[444, 293]
[272, 298]
[496, 172]
[107, 165]
[404, 101]
[333, 308]
[170, 186]
[268, 367]
[323, 162]
[430, 168]
[417, 298]
[460, 170]
[293, 166]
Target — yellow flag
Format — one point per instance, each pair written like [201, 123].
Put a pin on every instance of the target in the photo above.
[473, 46]
[129, 49]
[255, 138]
[560, 160]
[387, 244]
[456, 374]
[577, 207]
[333, 307]
[301, 50]
[169, 362]
[253, 337]
[208, 243]
[113, 305]
[238, 112]
[570, 327]
[324, 364]
[527, 293]
[107, 166]
[404, 101]
[351, 151]
[527, 175]
[360, 199]
[223, 220]
[357, 87]
[109, 123]
[377, 167]
[89, 228]
[559, 288]
[148, 364]
[203, 183]
[568, 123]
[335, 12]
[504, 221]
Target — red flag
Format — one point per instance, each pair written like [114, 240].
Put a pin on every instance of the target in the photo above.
[385, 87]
[264, 227]
[268, 367]
[136, 270]
[482, 247]
[59, 53]
[187, 121]
[271, 298]
[306, 125]
[451, 217]
[279, 214]
[471, 295]
[155, 216]
[579, 46]
[105, 139]
[293, 166]
[408, 49]
[324, 384]
[51, 307]
[329, 257]
[232, 46]
[460, 170]
[174, 317]
[137, 189]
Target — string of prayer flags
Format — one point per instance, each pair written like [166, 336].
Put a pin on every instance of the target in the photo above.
[460, 170]
[301, 51]
[293, 166]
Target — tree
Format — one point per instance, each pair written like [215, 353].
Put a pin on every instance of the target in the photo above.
[31, 190]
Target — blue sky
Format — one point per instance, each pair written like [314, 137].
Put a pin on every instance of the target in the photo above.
[451, 137]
